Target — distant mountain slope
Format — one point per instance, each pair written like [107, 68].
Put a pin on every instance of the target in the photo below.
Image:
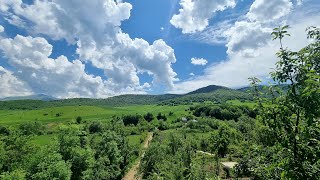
[42, 97]
[216, 94]
[220, 95]
[263, 88]
[207, 89]
[123, 100]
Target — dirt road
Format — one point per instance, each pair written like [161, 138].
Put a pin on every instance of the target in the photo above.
[133, 172]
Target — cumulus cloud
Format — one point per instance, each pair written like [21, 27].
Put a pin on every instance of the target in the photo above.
[245, 37]
[194, 15]
[269, 10]
[1, 29]
[199, 61]
[11, 85]
[58, 77]
[246, 59]
[94, 26]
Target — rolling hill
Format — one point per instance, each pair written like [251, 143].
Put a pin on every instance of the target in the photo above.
[207, 89]
[213, 93]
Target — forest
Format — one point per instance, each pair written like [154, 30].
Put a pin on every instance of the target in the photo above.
[261, 132]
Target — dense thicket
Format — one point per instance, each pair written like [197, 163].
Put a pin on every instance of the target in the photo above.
[98, 152]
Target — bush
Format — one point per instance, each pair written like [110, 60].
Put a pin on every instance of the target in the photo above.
[32, 128]
[161, 116]
[131, 119]
[95, 127]
[4, 130]
[79, 119]
[148, 117]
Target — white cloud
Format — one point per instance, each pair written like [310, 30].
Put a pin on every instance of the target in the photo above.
[199, 61]
[245, 37]
[195, 14]
[58, 77]
[235, 71]
[1, 29]
[299, 2]
[269, 10]
[213, 34]
[132, 56]
[192, 74]
[95, 27]
[11, 86]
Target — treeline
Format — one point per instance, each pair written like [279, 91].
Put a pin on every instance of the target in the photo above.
[218, 96]
[223, 112]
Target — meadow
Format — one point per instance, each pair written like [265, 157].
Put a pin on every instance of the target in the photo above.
[88, 113]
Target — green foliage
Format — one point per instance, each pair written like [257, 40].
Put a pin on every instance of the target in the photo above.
[220, 141]
[4, 130]
[148, 117]
[32, 128]
[291, 120]
[161, 116]
[131, 119]
[95, 127]
[16, 175]
[79, 119]
[48, 165]
[224, 112]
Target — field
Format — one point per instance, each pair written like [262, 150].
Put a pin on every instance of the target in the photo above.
[88, 113]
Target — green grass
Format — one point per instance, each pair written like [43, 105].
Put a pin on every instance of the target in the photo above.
[69, 113]
[134, 140]
[239, 103]
[43, 140]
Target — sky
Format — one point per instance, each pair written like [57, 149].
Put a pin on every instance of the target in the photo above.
[103, 48]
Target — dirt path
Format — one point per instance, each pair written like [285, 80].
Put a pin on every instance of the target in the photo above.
[207, 153]
[229, 165]
[133, 172]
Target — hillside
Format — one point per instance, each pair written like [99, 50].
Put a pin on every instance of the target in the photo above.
[215, 94]
[207, 89]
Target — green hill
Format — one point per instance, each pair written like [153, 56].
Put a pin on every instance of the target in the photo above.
[207, 89]
[215, 94]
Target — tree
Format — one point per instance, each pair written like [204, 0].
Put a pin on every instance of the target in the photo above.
[16, 175]
[161, 116]
[148, 117]
[131, 119]
[108, 158]
[95, 127]
[292, 117]
[79, 119]
[48, 165]
[220, 141]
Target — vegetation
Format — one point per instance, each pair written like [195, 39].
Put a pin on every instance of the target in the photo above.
[195, 136]
[215, 95]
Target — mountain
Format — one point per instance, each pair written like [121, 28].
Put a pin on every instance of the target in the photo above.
[41, 97]
[207, 89]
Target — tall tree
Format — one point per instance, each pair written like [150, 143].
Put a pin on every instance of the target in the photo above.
[292, 117]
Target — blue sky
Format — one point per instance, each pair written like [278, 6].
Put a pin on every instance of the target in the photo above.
[104, 48]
